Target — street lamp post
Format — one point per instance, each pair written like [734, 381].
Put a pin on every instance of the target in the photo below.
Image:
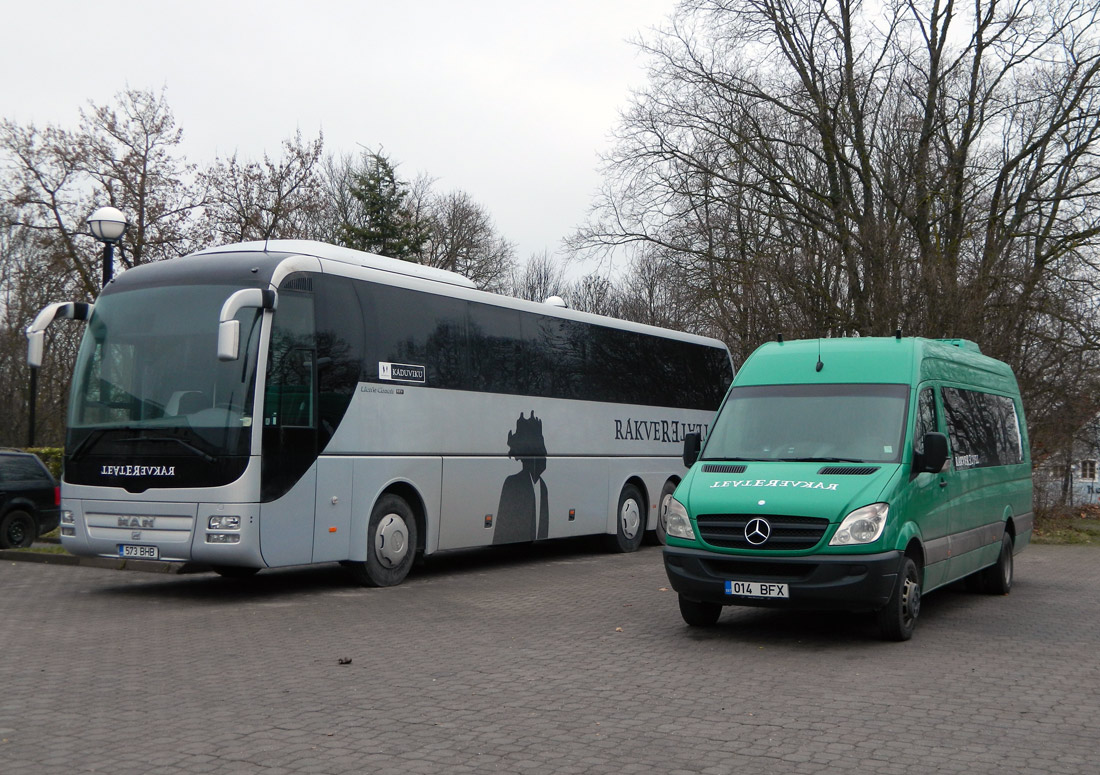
[108, 224]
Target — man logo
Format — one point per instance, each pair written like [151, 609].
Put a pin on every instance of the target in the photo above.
[757, 531]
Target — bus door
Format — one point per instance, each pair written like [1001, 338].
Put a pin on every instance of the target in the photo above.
[289, 478]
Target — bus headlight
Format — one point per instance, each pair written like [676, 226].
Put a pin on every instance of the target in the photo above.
[677, 523]
[224, 522]
[862, 526]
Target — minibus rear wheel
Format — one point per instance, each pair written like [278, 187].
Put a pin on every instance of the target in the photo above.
[699, 614]
[898, 617]
[997, 578]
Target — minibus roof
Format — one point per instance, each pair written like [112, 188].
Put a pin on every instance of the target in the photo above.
[906, 360]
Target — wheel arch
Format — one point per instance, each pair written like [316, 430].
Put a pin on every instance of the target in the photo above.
[408, 493]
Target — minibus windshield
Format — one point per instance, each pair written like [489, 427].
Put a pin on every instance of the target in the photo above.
[862, 423]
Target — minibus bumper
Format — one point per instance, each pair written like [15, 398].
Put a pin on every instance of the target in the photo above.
[853, 582]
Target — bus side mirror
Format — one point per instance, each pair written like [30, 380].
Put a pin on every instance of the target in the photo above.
[229, 329]
[229, 340]
[36, 331]
[935, 454]
[692, 443]
[36, 348]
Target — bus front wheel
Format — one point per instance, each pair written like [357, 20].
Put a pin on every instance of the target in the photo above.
[391, 544]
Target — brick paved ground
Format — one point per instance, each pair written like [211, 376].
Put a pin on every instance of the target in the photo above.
[558, 660]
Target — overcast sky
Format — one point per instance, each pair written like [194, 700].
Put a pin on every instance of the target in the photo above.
[511, 102]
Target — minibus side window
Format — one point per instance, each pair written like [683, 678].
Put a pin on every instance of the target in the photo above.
[926, 418]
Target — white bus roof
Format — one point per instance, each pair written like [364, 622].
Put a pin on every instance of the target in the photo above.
[344, 255]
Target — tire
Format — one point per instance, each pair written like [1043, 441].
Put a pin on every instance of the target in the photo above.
[17, 530]
[629, 522]
[660, 532]
[391, 544]
[235, 572]
[699, 614]
[997, 578]
[899, 616]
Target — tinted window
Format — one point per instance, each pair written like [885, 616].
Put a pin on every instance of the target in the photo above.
[21, 468]
[926, 418]
[983, 428]
[474, 346]
[414, 328]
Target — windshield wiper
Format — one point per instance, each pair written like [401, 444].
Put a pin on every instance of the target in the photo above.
[172, 439]
[820, 460]
[86, 444]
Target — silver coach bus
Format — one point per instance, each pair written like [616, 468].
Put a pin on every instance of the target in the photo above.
[272, 404]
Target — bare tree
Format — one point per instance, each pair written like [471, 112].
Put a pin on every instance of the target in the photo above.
[281, 198]
[822, 168]
[462, 238]
[51, 180]
[538, 279]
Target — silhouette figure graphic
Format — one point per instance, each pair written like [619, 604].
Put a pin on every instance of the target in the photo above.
[523, 512]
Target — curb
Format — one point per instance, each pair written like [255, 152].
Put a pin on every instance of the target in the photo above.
[145, 566]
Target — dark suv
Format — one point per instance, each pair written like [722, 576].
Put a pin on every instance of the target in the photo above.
[29, 499]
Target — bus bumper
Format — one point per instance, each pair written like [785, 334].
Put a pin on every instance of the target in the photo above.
[856, 582]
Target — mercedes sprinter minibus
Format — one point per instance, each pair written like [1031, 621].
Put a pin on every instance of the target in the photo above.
[853, 474]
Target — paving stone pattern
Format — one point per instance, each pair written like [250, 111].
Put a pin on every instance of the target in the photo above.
[553, 659]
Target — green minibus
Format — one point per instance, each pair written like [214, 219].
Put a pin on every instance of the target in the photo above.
[853, 474]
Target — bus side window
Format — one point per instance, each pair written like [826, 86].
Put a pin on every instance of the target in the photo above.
[291, 377]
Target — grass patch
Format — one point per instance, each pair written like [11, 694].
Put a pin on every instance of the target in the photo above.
[1065, 525]
[45, 549]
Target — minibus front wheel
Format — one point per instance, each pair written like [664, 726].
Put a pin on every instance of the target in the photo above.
[899, 616]
[699, 614]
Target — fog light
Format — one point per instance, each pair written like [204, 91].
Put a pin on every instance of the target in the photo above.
[223, 522]
[222, 538]
[68, 531]
[67, 518]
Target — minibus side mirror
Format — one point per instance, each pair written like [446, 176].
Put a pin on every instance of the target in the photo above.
[692, 443]
[934, 455]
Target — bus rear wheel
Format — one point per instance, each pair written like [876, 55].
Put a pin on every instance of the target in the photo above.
[629, 521]
[661, 530]
[391, 544]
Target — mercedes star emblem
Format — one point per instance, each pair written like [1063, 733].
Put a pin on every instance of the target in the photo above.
[757, 531]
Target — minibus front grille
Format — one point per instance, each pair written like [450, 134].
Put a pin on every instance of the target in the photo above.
[783, 533]
[725, 468]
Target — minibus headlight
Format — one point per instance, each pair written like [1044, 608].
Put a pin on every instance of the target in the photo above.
[677, 523]
[862, 526]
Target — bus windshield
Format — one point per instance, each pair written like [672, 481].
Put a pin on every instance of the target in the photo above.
[811, 423]
[148, 365]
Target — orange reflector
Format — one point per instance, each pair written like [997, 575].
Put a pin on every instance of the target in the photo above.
[332, 530]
